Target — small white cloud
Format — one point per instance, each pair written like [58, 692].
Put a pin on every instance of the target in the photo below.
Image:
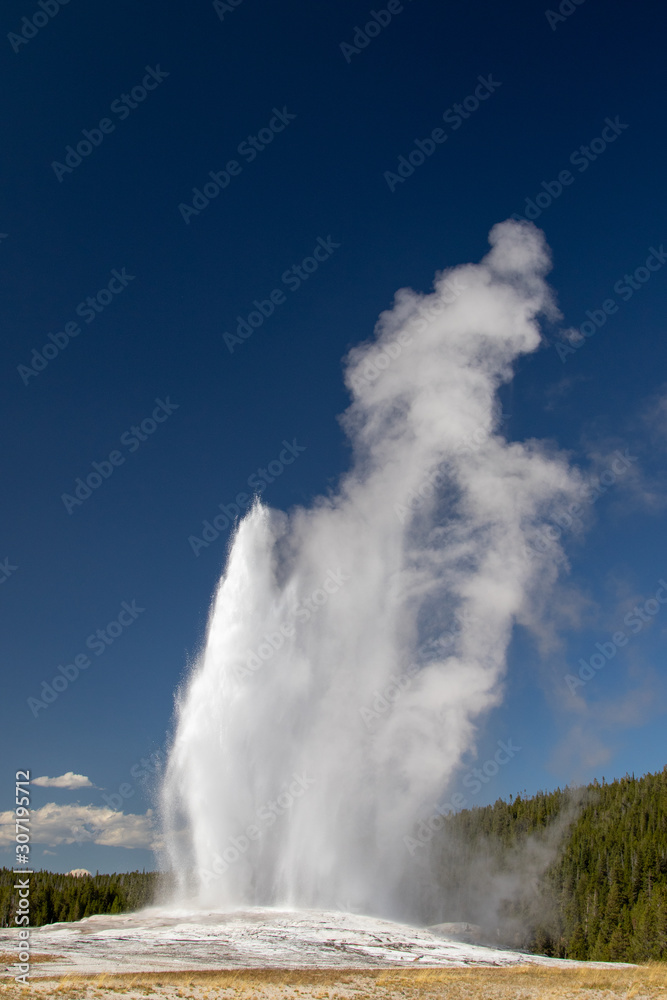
[68, 780]
[54, 853]
[75, 824]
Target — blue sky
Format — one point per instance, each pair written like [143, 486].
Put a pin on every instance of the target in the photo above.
[380, 161]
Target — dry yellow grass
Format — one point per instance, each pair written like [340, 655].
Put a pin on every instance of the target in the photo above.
[9, 958]
[514, 983]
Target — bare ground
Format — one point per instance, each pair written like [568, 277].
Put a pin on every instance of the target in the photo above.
[480, 983]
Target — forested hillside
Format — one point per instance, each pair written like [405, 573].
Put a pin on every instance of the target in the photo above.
[56, 897]
[577, 874]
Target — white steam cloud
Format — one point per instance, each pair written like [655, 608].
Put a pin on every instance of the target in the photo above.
[277, 788]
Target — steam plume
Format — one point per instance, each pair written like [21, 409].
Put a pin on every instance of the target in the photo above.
[292, 777]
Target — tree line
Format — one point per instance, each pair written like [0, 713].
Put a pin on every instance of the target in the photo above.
[575, 873]
[55, 897]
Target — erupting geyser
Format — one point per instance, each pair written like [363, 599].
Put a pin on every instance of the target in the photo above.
[351, 646]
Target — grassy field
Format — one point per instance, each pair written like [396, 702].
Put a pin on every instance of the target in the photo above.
[522, 983]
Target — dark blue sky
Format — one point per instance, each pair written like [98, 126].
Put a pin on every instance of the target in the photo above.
[583, 94]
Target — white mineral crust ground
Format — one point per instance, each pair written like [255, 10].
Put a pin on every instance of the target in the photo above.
[160, 939]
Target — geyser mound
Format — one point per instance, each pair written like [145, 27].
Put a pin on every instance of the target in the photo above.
[352, 645]
[256, 938]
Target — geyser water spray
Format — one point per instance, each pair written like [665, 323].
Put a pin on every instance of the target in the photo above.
[353, 645]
